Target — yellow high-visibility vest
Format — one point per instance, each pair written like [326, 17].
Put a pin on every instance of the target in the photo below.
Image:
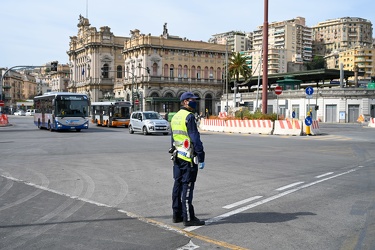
[181, 138]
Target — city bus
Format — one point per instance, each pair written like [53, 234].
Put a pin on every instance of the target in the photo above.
[57, 111]
[111, 114]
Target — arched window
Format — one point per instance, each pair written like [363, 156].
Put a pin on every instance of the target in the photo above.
[180, 71]
[185, 71]
[206, 72]
[165, 73]
[171, 71]
[211, 73]
[119, 71]
[199, 73]
[193, 73]
[105, 71]
[154, 69]
[218, 74]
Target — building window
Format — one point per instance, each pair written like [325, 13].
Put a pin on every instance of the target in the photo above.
[119, 71]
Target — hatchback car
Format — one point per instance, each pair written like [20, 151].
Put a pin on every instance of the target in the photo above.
[148, 122]
[20, 112]
[30, 112]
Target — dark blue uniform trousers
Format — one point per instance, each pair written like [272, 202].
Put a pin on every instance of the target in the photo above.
[185, 175]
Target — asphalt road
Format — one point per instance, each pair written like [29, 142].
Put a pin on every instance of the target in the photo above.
[103, 188]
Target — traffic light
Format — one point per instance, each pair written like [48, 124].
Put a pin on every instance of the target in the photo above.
[54, 66]
[148, 70]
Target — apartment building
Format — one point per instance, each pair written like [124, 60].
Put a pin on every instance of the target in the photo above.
[288, 41]
[59, 80]
[237, 40]
[341, 34]
[360, 59]
[292, 35]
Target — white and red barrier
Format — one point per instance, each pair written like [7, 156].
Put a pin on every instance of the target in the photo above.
[212, 125]
[252, 126]
[314, 128]
[371, 122]
[223, 115]
[238, 126]
[288, 127]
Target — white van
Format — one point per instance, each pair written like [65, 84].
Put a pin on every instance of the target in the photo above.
[30, 112]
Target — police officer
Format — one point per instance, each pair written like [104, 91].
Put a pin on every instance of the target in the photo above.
[189, 156]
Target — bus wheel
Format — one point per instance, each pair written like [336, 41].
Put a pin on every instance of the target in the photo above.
[49, 127]
[131, 131]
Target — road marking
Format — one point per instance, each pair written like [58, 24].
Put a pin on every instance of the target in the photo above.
[241, 202]
[132, 215]
[274, 197]
[289, 186]
[320, 176]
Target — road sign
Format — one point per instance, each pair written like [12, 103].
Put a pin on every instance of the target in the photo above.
[309, 91]
[278, 90]
[136, 102]
[1, 103]
[308, 121]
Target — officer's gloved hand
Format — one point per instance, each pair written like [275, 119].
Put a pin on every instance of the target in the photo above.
[201, 165]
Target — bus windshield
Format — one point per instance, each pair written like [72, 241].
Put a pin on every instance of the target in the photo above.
[71, 106]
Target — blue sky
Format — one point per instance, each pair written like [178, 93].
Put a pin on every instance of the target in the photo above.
[35, 32]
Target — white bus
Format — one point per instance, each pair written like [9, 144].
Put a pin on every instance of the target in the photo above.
[111, 114]
[61, 111]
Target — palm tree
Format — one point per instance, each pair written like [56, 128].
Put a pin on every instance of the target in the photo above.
[238, 67]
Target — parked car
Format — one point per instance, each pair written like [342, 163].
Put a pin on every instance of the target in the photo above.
[20, 112]
[30, 112]
[148, 122]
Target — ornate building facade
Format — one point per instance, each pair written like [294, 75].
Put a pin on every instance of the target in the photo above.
[90, 53]
[174, 66]
[150, 71]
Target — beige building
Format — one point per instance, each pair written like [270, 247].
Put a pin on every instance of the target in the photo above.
[362, 58]
[341, 34]
[59, 80]
[290, 36]
[237, 40]
[105, 66]
[90, 53]
[175, 65]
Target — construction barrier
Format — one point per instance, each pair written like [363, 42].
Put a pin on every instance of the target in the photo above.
[212, 125]
[288, 127]
[222, 115]
[314, 128]
[371, 122]
[249, 126]
[238, 126]
[4, 120]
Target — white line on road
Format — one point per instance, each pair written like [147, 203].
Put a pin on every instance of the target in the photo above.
[289, 186]
[241, 202]
[242, 209]
[320, 176]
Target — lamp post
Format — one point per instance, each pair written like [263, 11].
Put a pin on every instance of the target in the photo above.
[226, 73]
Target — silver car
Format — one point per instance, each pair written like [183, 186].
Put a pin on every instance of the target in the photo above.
[148, 122]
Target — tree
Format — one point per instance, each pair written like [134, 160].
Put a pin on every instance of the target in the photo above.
[318, 62]
[237, 67]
